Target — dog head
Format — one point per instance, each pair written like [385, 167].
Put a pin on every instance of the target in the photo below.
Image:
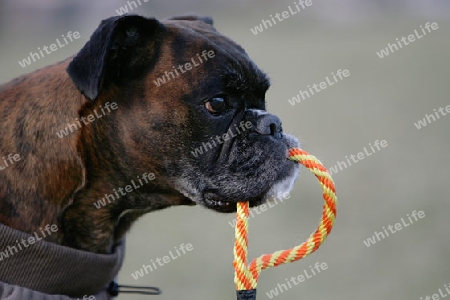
[191, 110]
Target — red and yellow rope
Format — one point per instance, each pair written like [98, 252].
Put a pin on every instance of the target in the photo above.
[246, 277]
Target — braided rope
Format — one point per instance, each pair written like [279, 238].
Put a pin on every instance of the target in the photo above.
[246, 277]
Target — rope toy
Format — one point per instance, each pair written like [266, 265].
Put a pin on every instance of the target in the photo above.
[246, 277]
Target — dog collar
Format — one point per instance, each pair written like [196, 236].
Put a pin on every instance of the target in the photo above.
[53, 269]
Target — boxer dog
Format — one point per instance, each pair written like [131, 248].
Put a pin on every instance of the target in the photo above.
[139, 98]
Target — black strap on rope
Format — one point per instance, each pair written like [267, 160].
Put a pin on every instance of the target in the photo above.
[114, 289]
[246, 295]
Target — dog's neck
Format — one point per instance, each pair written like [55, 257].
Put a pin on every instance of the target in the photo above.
[115, 193]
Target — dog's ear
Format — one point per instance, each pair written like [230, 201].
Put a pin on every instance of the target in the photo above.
[204, 19]
[122, 48]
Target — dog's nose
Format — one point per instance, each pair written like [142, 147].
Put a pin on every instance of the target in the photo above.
[268, 124]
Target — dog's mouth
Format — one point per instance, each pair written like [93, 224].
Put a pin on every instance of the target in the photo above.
[214, 201]
[219, 205]
[221, 192]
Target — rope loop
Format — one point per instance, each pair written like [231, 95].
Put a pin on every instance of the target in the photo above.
[246, 276]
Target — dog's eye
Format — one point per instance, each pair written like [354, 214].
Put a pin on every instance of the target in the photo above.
[216, 105]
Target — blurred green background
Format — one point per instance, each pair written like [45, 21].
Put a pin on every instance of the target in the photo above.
[380, 100]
